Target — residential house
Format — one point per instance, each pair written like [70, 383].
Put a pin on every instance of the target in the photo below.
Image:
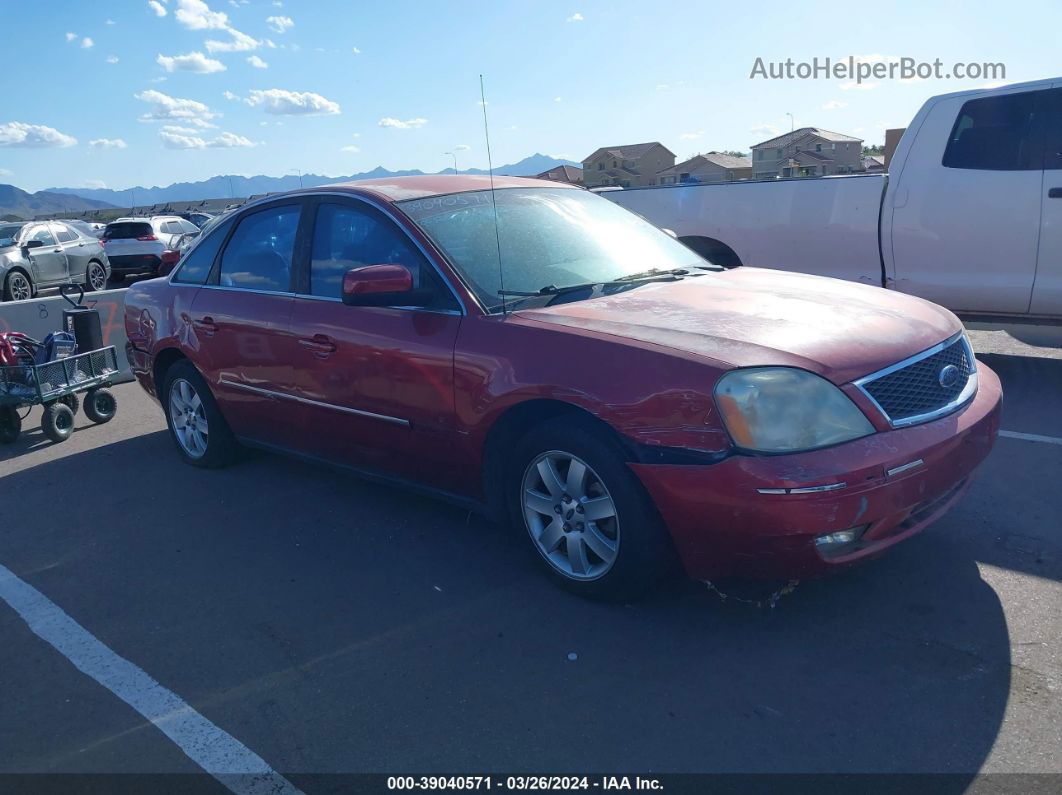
[709, 167]
[874, 164]
[892, 140]
[630, 166]
[570, 174]
[807, 152]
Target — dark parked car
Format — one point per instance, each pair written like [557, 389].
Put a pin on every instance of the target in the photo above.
[39, 254]
[550, 358]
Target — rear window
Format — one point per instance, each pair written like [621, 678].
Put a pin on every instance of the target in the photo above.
[128, 230]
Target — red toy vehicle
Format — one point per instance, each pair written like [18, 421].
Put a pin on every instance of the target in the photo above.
[553, 359]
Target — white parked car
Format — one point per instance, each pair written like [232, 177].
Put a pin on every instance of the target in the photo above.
[969, 215]
[136, 245]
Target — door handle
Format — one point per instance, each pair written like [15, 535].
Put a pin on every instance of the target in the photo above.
[57, 250]
[1055, 193]
[319, 344]
[206, 325]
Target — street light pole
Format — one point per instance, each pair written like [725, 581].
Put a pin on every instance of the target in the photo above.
[792, 122]
[454, 156]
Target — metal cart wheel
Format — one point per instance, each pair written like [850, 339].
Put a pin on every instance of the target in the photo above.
[57, 421]
[10, 424]
[100, 405]
[72, 402]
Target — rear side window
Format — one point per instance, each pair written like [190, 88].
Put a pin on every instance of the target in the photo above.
[172, 227]
[65, 233]
[196, 266]
[996, 134]
[258, 256]
[128, 230]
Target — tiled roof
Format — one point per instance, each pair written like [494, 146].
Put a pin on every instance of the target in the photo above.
[724, 161]
[627, 151]
[789, 137]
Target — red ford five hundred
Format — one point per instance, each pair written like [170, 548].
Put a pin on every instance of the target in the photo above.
[546, 356]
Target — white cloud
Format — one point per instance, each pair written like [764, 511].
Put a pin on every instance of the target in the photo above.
[33, 136]
[231, 96]
[190, 62]
[240, 42]
[280, 24]
[689, 136]
[112, 59]
[257, 62]
[852, 85]
[558, 99]
[350, 148]
[157, 7]
[462, 148]
[108, 143]
[175, 137]
[87, 43]
[196, 15]
[408, 124]
[5, 172]
[834, 104]
[167, 108]
[109, 22]
[284, 103]
[71, 36]
[93, 183]
[576, 17]
[355, 50]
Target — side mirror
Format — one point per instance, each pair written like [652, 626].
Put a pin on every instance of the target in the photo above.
[33, 244]
[382, 285]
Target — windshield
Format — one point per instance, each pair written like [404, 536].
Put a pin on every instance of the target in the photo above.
[548, 237]
[9, 233]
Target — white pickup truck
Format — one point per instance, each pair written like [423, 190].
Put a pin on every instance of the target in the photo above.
[969, 215]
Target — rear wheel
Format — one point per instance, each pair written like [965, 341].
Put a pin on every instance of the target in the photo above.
[10, 425]
[587, 515]
[57, 422]
[17, 287]
[100, 405]
[196, 424]
[71, 402]
[95, 277]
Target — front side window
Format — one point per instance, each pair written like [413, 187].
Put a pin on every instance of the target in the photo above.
[43, 234]
[197, 264]
[995, 134]
[548, 236]
[259, 254]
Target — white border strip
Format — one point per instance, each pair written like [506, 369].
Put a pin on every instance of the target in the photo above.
[216, 751]
[1031, 437]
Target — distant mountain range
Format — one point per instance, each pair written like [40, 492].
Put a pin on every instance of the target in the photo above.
[23, 205]
[223, 187]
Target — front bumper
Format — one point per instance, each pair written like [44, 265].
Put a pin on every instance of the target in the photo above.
[723, 526]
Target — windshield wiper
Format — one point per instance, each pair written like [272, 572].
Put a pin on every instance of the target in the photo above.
[553, 291]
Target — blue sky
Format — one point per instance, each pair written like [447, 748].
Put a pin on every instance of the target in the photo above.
[180, 90]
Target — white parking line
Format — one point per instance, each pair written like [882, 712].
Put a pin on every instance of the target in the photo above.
[216, 751]
[1031, 437]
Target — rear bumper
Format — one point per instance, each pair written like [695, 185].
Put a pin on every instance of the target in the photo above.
[723, 526]
[134, 263]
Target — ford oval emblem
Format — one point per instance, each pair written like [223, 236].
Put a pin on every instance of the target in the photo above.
[948, 376]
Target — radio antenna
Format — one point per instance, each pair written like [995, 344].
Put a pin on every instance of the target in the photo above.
[493, 200]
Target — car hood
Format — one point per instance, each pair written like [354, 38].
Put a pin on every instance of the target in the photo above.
[753, 316]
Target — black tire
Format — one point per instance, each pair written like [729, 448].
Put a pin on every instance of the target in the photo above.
[100, 405]
[72, 402]
[644, 555]
[57, 422]
[117, 278]
[95, 268]
[15, 284]
[221, 448]
[10, 425]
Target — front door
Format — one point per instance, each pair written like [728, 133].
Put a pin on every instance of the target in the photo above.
[1047, 292]
[47, 260]
[241, 319]
[376, 383]
[966, 207]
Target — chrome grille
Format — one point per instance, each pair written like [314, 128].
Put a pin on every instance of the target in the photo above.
[912, 391]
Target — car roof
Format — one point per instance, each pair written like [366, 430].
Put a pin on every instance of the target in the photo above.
[394, 189]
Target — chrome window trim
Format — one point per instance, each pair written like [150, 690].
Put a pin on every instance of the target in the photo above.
[963, 397]
[317, 403]
[451, 312]
[238, 289]
[805, 489]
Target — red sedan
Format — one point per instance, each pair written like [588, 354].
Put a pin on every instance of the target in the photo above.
[545, 356]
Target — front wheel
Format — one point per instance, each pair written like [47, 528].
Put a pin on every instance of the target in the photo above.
[587, 515]
[17, 287]
[196, 424]
[57, 422]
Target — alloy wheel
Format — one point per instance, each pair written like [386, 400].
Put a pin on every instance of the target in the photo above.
[97, 277]
[189, 419]
[570, 515]
[19, 287]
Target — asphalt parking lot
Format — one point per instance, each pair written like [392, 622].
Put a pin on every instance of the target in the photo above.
[330, 625]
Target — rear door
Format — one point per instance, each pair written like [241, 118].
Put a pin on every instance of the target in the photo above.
[240, 324]
[47, 260]
[73, 245]
[1047, 292]
[966, 206]
[376, 382]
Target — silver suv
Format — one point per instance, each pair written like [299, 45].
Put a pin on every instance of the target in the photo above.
[135, 245]
[41, 254]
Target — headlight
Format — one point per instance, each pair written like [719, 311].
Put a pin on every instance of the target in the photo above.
[781, 410]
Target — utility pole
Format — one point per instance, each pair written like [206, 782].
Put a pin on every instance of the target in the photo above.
[792, 122]
[454, 156]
